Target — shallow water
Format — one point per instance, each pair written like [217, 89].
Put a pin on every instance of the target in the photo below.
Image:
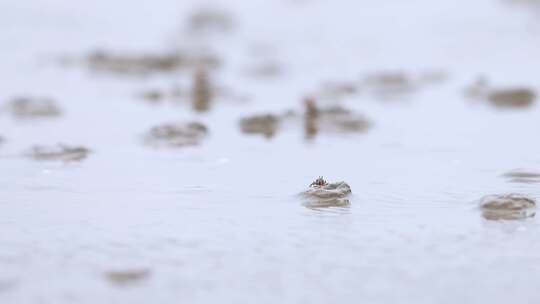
[222, 221]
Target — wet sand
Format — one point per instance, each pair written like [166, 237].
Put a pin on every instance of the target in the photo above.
[222, 220]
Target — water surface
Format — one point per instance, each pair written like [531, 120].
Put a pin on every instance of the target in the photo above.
[222, 221]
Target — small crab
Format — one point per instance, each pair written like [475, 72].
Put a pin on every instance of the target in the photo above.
[319, 182]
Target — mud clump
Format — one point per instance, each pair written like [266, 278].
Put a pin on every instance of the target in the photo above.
[433, 76]
[507, 202]
[153, 95]
[521, 176]
[207, 20]
[396, 84]
[337, 90]
[133, 63]
[59, 152]
[29, 107]
[382, 85]
[503, 98]
[332, 119]
[200, 95]
[176, 135]
[127, 277]
[510, 98]
[265, 69]
[321, 194]
[389, 83]
[313, 121]
[265, 124]
[142, 64]
[507, 207]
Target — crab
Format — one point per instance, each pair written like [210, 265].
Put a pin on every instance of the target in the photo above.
[319, 182]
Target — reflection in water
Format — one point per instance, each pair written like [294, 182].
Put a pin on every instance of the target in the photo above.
[310, 127]
[327, 210]
[310, 118]
[127, 277]
[176, 135]
[201, 92]
[496, 215]
[327, 203]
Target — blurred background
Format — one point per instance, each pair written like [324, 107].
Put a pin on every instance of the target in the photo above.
[160, 151]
